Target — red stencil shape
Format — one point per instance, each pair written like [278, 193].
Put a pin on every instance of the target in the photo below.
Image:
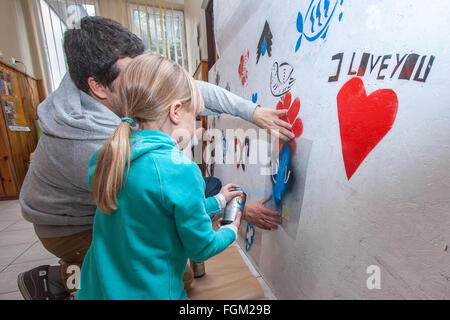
[242, 69]
[364, 120]
[291, 117]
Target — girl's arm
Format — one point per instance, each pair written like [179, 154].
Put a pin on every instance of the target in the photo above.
[213, 206]
[194, 226]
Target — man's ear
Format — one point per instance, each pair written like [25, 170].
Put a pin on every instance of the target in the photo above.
[176, 112]
[98, 90]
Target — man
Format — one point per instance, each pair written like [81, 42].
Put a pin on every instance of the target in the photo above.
[76, 120]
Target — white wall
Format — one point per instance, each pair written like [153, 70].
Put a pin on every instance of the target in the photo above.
[17, 38]
[393, 213]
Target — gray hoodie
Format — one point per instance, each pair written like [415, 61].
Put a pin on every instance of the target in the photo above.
[55, 195]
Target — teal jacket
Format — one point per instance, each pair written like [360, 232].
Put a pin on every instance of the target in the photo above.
[140, 251]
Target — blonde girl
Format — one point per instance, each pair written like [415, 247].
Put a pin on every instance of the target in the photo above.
[152, 213]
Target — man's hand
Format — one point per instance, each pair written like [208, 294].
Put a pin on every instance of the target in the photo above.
[267, 118]
[260, 216]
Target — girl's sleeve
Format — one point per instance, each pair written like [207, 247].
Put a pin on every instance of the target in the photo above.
[189, 206]
[212, 206]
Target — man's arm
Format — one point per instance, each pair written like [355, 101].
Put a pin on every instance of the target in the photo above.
[219, 100]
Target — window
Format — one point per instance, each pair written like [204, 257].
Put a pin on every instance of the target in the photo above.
[161, 29]
[54, 17]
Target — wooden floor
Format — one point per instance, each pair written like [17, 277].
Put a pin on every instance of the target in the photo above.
[227, 277]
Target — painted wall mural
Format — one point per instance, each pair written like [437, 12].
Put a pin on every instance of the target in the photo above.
[281, 79]
[366, 180]
[316, 21]
[242, 69]
[255, 97]
[363, 120]
[265, 43]
[249, 236]
[381, 63]
[288, 150]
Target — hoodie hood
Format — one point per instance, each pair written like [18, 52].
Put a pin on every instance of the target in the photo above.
[69, 113]
[144, 141]
[141, 143]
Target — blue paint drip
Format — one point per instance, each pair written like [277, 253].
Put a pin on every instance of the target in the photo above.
[326, 7]
[300, 22]
[325, 33]
[224, 148]
[312, 19]
[318, 15]
[279, 186]
[299, 42]
[340, 16]
[299, 29]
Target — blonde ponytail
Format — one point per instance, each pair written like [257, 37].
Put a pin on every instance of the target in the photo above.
[109, 172]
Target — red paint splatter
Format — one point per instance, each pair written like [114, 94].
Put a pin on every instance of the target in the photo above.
[237, 143]
[242, 70]
[291, 117]
[363, 121]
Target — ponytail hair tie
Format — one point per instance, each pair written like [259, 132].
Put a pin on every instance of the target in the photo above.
[129, 120]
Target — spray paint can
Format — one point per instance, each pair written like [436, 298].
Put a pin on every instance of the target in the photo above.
[233, 207]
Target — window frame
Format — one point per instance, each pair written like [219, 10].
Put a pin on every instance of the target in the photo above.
[177, 13]
[42, 36]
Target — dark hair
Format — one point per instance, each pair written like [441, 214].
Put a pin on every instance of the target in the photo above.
[93, 49]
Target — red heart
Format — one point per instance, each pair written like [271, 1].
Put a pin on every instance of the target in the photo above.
[363, 120]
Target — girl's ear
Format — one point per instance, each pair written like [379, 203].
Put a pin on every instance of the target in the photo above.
[175, 112]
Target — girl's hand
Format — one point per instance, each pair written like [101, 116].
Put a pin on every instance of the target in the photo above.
[225, 191]
[237, 221]
[234, 225]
